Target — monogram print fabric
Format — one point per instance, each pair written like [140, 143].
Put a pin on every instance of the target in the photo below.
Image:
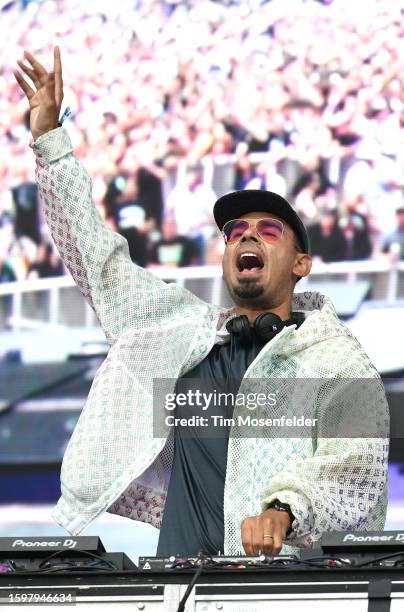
[158, 330]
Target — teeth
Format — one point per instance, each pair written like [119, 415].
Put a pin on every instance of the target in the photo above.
[249, 254]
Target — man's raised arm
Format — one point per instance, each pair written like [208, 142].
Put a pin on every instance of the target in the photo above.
[122, 294]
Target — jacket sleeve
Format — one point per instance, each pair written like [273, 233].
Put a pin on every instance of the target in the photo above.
[343, 485]
[122, 294]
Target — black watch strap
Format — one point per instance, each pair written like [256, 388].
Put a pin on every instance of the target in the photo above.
[277, 505]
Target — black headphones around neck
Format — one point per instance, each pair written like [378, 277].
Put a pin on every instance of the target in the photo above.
[265, 327]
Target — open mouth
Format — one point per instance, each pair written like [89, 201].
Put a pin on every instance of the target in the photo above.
[249, 263]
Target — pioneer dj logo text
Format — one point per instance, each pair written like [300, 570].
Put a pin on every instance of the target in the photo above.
[68, 543]
[398, 537]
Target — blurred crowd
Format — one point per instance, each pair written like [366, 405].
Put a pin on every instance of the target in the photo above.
[177, 102]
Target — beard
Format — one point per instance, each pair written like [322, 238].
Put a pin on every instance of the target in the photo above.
[248, 289]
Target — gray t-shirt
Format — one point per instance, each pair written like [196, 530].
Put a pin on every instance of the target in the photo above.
[193, 519]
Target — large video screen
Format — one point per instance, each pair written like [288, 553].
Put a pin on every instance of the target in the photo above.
[176, 103]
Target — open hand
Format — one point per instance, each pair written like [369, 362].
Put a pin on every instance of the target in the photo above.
[46, 101]
[255, 532]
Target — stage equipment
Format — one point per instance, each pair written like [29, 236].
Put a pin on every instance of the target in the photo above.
[347, 570]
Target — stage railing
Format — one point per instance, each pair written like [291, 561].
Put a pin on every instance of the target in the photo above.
[383, 275]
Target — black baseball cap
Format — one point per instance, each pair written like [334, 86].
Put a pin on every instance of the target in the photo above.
[237, 203]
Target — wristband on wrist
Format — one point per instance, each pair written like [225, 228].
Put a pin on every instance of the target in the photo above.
[281, 507]
[67, 114]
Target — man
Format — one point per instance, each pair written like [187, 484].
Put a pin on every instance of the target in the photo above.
[327, 238]
[173, 249]
[268, 492]
[393, 243]
[190, 202]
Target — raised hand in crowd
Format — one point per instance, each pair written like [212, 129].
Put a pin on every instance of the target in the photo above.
[46, 99]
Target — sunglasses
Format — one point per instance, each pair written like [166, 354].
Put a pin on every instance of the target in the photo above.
[270, 230]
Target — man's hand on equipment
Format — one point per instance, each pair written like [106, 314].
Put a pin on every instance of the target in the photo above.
[264, 534]
[46, 101]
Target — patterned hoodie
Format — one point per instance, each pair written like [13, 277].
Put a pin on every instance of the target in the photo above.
[159, 330]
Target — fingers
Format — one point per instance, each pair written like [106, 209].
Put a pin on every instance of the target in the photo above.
[30, 73]
[39, 70]
[246, 536]
[57, 61]
[57, 69]
[52, 82]
[262, 534]
[29, 92]
[272, 546]
[265, 533]
[252, 537]
[276, 523]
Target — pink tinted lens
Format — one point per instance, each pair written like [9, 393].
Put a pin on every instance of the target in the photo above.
[233, 230]
[270, 230]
